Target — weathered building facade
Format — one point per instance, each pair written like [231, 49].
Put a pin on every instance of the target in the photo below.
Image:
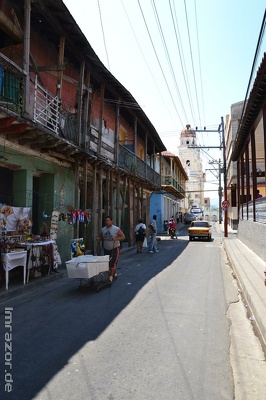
[72, 138]
[231, 128]
[169, 201]
[249, 153]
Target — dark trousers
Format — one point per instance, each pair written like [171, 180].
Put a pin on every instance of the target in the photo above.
[114, 256]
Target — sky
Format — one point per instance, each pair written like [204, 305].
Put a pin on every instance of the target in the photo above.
[184, 61]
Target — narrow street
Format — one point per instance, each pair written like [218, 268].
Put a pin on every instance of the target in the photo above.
[162, 331]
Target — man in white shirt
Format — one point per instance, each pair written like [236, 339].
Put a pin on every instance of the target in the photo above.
[111, 236]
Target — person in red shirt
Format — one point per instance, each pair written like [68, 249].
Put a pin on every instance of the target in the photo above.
[172, 227]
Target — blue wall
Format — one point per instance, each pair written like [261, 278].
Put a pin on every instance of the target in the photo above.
[156, 208]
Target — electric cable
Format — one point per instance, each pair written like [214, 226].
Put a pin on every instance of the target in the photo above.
[168, 56]
[192, 63]
[142, 53]
[160, 65]
[197, 31]
[181, 57]
[103, 35]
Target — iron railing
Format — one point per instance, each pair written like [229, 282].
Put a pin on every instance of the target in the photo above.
[260, 211]
[47, 111]
[128, 161]
[46, 108]
[11, 87]
[168, 180]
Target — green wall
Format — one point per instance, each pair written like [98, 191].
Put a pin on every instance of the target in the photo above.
[56, 191]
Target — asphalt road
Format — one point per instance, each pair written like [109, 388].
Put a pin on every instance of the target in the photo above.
[161, 331]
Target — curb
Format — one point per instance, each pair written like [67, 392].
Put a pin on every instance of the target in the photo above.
[31, 286]
[246, 265]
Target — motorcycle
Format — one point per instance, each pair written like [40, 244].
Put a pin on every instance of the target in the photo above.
[172, 233]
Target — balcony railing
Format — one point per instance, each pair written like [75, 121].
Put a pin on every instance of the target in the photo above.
[168, 180]
[46, 111]
[260, 210]
[11, 87]
[128, 161]
[46, 108]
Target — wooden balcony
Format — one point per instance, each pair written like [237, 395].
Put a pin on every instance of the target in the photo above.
[132, 164]
[169, 184]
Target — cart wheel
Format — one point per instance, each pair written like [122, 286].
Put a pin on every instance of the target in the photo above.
[98, 289]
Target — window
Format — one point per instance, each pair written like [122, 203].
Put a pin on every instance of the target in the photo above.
[10, 87]
[122, 135]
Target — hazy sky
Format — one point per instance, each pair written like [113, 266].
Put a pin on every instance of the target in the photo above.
[184, 61]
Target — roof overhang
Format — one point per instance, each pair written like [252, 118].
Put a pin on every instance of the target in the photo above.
[255, 103]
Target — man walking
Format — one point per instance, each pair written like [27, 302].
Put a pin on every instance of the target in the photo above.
[111, 236]
[153, 231]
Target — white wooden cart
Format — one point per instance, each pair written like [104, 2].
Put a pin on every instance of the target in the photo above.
[94, 269]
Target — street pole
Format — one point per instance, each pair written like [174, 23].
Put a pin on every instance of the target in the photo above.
[225, 179]
[222, 146]
[220, 194]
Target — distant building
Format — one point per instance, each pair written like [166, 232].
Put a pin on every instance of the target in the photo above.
[189, 154]
[167, 202]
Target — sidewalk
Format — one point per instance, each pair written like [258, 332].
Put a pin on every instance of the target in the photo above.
[249, 272]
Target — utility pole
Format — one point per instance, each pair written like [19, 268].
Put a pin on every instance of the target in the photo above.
[220, 193]
[225, 179]
[221, 147]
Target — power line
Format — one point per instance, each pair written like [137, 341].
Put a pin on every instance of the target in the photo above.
[181, 54]
[142, 53]
[193, 69]
[202, 97]
[168, 56]
[103, 35]
[160, 64]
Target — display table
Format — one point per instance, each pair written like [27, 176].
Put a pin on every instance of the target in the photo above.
[36, 256]
[13, 260]
[86, 267]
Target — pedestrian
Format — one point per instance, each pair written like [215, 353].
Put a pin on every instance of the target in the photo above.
[258, 194]
[140, 232]
[153, 231]
[111, 236]
[172, 228]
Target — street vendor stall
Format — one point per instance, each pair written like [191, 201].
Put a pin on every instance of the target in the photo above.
[40, 256]
[13, 260]
[93, 268]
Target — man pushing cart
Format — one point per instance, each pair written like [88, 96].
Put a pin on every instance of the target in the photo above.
[111, 236]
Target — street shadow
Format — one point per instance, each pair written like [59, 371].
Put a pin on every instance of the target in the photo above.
[50, 325]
